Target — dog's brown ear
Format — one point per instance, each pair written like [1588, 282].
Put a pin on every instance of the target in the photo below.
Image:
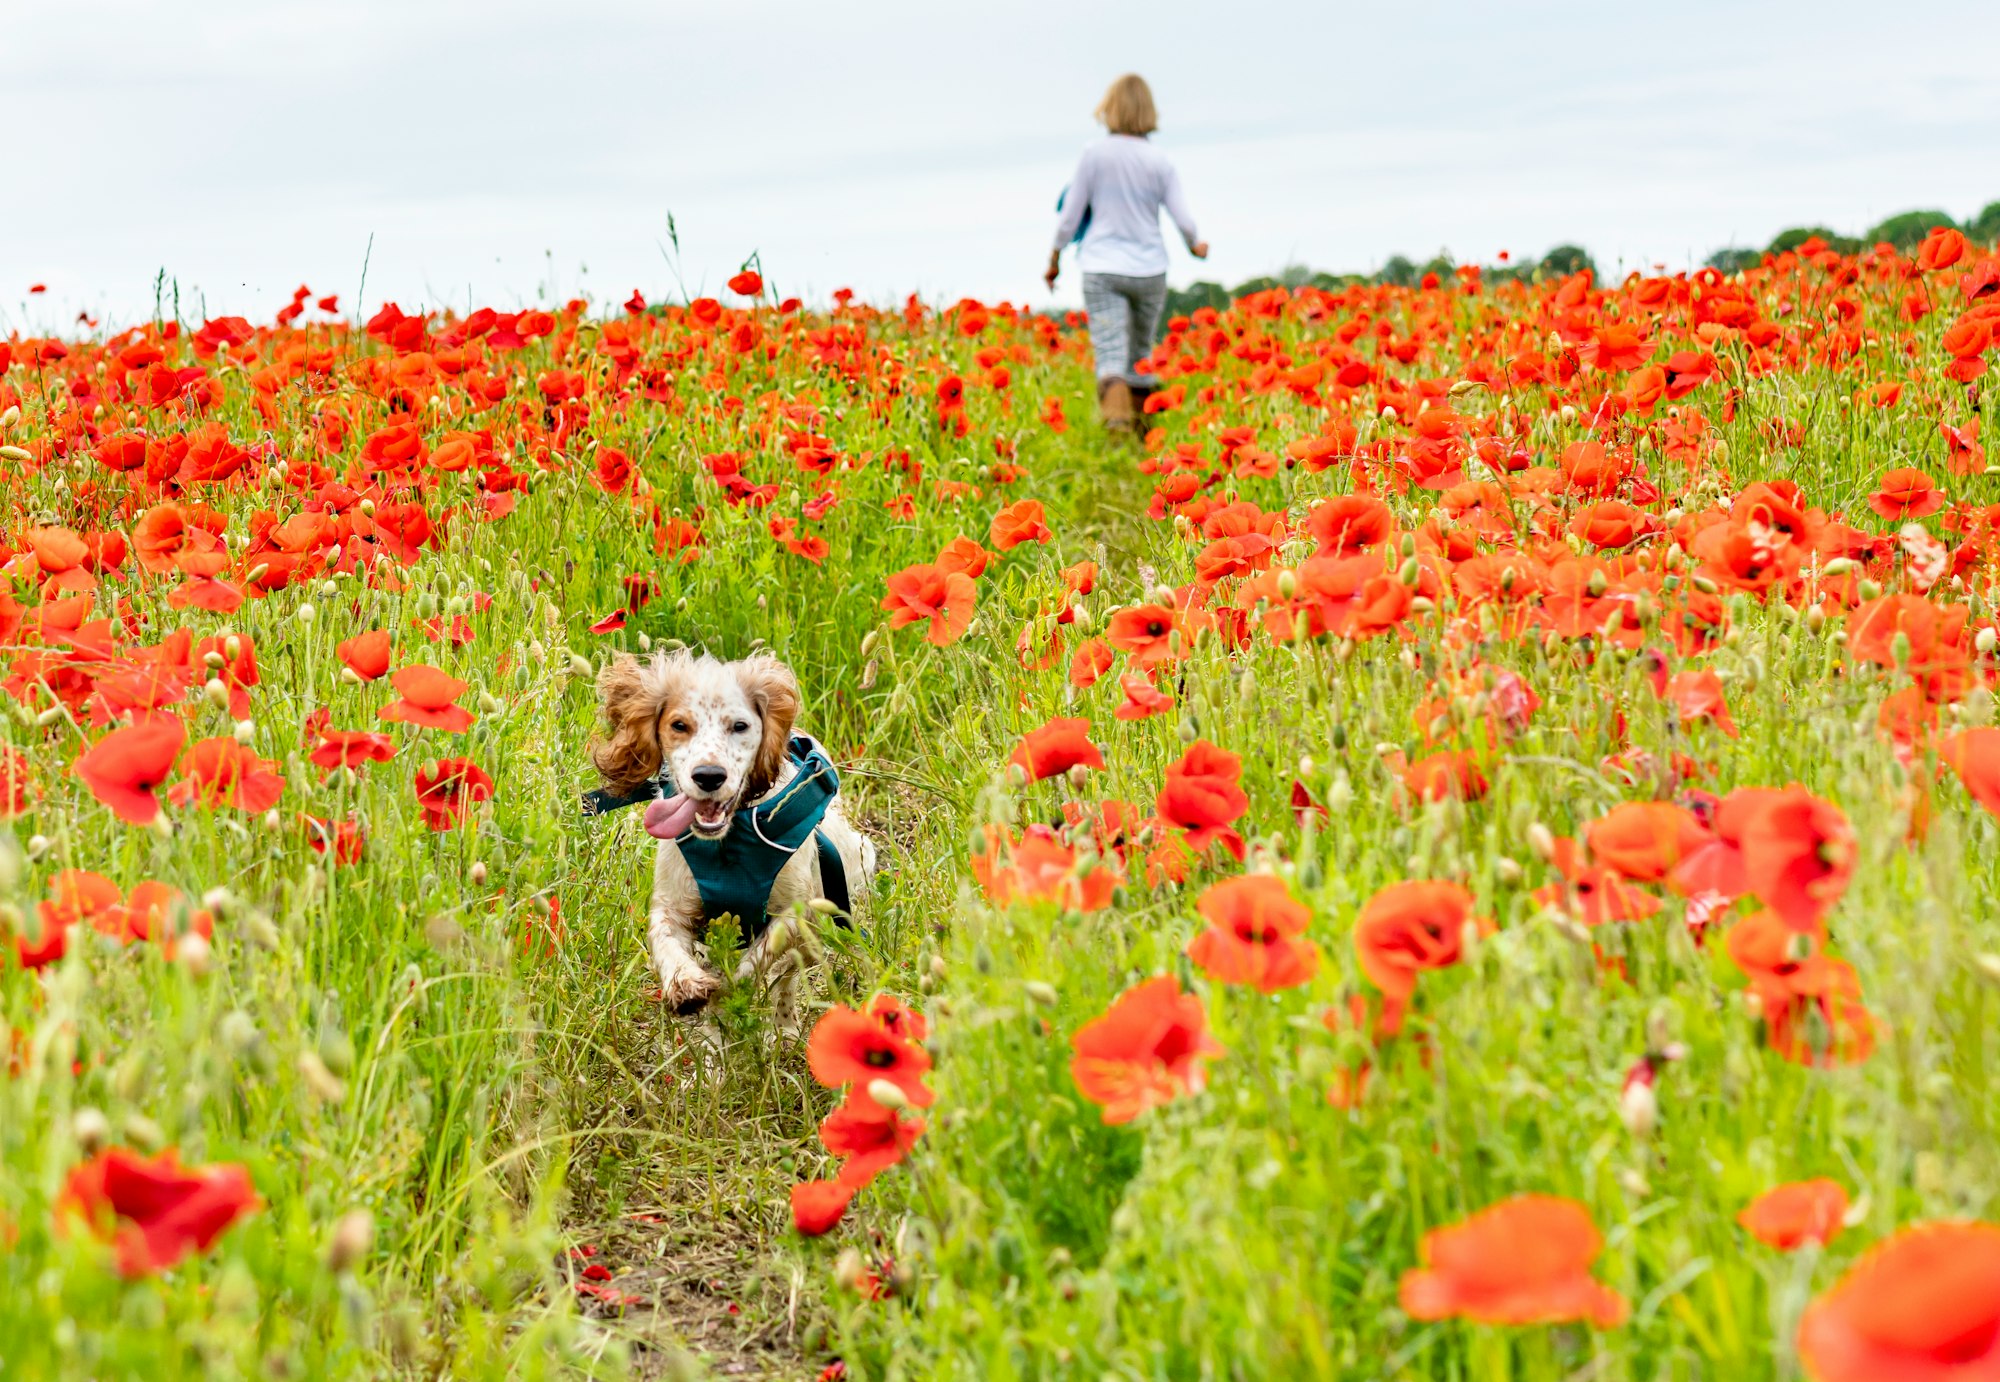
[634, 695]
[770, 686]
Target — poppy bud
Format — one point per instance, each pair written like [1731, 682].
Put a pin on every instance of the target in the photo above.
[244, 731]
[1542, 840]
[1507, 871]
[1869, 590]
[477, 873]
[91, 1129]
[1985, 640]
[48, 717]
[938, 969]
[888, 1094]
[1988, 967]
[16, 453]
[304, 614]
[352, 1237]
[38, 845]
[1189, 730]
[1039, 992]
[1409, 572]
[1569, 415]
[1339, 794]
[10, 417]
[1388, 413]
[327, 1087]
[849, 1272]
[1815, 619]
[1704, 585]
[1639, 1106]
[144, 1131]
[1288, 585]
[194, 954]
[823, 907]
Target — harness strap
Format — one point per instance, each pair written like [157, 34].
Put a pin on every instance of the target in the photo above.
[833, 875]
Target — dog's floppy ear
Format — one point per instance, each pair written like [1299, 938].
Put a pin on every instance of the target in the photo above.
[770, 686]
[634, 695]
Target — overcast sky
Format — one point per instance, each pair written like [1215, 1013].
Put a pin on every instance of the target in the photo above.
[501, 152]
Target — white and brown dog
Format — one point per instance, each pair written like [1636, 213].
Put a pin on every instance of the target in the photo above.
[747, 813]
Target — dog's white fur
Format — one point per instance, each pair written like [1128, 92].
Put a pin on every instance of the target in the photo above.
[722, 727]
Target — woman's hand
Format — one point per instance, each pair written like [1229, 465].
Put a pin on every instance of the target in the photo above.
[1054, 268]
[1199, 249]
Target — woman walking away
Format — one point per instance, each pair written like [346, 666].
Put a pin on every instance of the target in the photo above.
[1113, 205]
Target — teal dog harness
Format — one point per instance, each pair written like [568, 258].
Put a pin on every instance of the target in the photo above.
[736, 873]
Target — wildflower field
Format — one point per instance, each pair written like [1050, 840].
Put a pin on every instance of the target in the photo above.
[1466, 851]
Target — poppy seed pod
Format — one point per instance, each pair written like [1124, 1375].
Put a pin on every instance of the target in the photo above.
[91, 1129]
[352, 1237]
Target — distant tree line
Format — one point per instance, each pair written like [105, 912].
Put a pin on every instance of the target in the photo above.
[1903, 231]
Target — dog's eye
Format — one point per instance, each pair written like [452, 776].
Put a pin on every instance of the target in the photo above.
[679, 727]
[741, 727]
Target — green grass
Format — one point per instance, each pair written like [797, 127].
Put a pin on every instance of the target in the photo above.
[503, 1100]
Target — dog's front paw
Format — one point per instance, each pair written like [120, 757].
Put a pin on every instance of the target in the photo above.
[689, 991]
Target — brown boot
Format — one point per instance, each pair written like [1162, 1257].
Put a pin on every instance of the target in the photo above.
[1114, 403]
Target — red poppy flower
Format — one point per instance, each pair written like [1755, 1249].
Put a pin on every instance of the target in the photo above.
[342, 841]
[1922, 1306]
[851, 1047]
[76, 897]
[1055, 748]
[817, 1205]
[1447, 773]
[1200, 796]
[221, 772]
[1595, 896]
[1905, 494]
[1699, 696]
[1787, 1216]
[926, 592]
[747, 284]
[1143, 700]
[366, 655]
[1797, 850]
[349, 748]
[1644, 840]
[964, 555]
[149, 914]
[1092, 659]
[446, 788]
[1255, 935]
[1039, 867]
[427, 700]
[1811, 1002]
[1350, 523]
[1523, 1261]
[155, 1212]
[1974, 754]
[1018, 523]
[1406, 928]
[1146, 1049]
[1147, 634]
[870, 1137]
[16, 787]
[124, 767]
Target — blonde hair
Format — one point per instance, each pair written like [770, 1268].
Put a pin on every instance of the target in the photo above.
[1127, 107]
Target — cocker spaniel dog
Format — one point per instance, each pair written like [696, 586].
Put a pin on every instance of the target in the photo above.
[747, 814]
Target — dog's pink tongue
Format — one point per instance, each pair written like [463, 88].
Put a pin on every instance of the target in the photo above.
[665, 820]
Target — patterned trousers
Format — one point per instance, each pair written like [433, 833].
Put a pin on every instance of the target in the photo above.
[1124, 315]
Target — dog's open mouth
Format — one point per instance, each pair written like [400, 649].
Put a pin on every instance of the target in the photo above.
[711, 818]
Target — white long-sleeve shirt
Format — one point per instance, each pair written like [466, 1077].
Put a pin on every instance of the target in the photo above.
[1124, 181]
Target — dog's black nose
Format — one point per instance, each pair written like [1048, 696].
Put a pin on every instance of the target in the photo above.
[709, 778]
